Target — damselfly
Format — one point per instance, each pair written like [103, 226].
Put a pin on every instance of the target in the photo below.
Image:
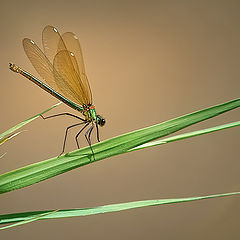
[61, 66]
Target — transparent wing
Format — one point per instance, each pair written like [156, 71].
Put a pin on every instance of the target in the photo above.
[46, 70]
[64, 63]
[72, 44]
[53, 43]
[50, 41]
[40, 62]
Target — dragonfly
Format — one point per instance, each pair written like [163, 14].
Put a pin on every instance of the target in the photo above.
[62, 69]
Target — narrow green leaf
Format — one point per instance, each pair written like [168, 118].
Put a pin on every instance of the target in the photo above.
[9, 131]
[46, 169]
[4, 139]
[31, 219]
[1, 156]
[185, 135]
[50, 214]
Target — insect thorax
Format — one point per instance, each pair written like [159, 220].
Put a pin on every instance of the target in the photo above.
[90, 113]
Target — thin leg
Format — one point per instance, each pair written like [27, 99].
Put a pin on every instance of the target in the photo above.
[89, 139]
[76, 137]
[87, 136]
[97, 132]
[65, 137]
[61, 114]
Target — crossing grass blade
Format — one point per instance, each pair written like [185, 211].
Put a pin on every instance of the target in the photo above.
[13, 129]
[37, 172]
[7, 135]
[28, 220]
[1, 156]
[7, 138]
[27, 217]
[185, 136]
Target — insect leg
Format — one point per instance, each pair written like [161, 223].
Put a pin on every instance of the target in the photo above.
[61, 114]
[65, 137]
[87, 136]
[97, 132]
[76, 137]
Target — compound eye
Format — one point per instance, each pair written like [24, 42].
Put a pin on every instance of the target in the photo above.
[103, 121]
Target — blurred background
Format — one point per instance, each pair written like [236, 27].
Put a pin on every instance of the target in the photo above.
[147, 62]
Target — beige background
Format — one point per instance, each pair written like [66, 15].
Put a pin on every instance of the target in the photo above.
[147, 62]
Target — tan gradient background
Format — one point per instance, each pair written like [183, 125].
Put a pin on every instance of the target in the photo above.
[147, 62]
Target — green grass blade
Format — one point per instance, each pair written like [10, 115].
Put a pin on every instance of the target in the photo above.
[28, 220]
[11, 130]
[1, 156]
[185, 135]
[50, 214]
[37, 172]
[5, 139]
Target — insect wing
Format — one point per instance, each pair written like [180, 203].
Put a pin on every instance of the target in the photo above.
[63, 65]
[53, 44]
[64, 76]
[40, 62]
[72, 44]
[46, 70]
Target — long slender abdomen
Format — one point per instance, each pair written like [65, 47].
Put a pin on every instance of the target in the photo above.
[44, 86]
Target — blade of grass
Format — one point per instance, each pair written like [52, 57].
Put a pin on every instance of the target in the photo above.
[46, 169]
[31, 219]
[50, 214]
[4, 139]
[1, 156]
[185, 135]
[9, 131]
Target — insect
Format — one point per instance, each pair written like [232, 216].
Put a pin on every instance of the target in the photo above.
[61, 66]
